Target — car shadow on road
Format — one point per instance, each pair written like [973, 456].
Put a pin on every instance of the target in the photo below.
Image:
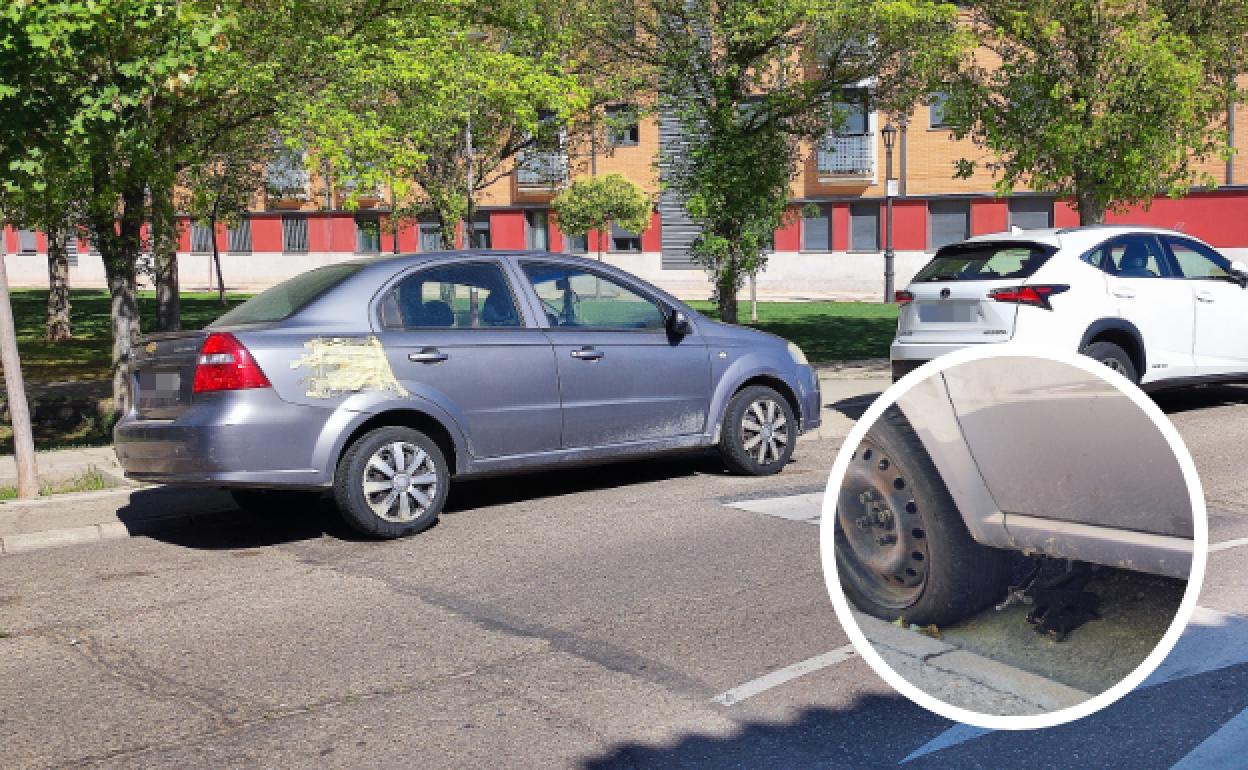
[208, 518]
[854, 406]
[1200, 397]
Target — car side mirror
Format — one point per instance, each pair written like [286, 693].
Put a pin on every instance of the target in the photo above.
[678, 324]
[1239, 273]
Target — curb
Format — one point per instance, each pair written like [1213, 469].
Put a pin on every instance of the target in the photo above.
[962, 678]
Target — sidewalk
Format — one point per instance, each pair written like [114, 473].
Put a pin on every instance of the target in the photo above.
[60, 464]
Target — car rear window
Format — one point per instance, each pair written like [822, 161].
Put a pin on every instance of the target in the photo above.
[985, 262]
[288, 297]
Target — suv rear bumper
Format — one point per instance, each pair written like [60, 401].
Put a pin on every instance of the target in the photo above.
[908, 356]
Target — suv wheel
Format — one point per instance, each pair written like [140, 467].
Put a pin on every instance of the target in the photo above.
[1114, 357]
[392, 482]
[759, 432]
[902, 549]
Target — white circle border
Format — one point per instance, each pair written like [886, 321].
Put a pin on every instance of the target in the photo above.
[1200, 542]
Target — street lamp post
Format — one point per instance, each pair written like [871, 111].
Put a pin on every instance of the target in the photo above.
[890, 190]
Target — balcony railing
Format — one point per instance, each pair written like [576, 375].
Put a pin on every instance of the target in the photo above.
[846, 157]
[541, 168]
[287, 180]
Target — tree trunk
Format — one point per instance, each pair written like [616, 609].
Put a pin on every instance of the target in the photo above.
[19, 409]
[216, 261]
[1091, 212]
[118, 238]
[165, 260]
[726, 294]
[58, 285]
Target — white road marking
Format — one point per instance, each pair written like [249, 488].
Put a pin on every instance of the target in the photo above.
[1213, 640]
[786, 674]
[1225, 544]
[1225, 748]
[805, 508]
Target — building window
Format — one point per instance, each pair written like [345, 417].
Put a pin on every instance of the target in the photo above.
[817, 228]
[367, 234]
[936, 110]
[855, 113]
[864, 226]
[286, 176]
[948, 222]
[294, 234]
[430, 236]
[480, 231]
[1031, 213]
[576, 244]
[238, 237]
[537, 230]
[26, 243]
[201, 238]
[623, 128]
[623, 240]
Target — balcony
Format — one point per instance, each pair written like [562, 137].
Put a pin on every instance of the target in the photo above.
[846, 158]
[286, 179]
[541, 169]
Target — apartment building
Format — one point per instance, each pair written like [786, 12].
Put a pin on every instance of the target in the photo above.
[831, 246]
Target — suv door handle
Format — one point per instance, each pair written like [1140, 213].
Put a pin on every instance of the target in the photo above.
[428, 356]
[1204, 296]
[588, 354]
[1123, 292]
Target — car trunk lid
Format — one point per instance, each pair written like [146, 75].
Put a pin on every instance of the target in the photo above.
[163, 368]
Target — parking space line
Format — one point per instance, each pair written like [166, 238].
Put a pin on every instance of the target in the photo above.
[1225, 748]
[786, 674]
[805, 508]
[1225, 544]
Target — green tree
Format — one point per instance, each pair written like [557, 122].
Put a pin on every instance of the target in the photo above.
[749, 82]
[597, 202]
[1105, 101]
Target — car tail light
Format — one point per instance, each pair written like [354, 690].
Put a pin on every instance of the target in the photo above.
[224, 364]
[1036, 296]
[903, 297]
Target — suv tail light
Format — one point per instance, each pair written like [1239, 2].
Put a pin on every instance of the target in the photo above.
[224, 364]
[903, 297]
[1036, 296]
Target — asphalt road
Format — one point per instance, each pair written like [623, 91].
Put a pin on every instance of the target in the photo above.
[591, 618]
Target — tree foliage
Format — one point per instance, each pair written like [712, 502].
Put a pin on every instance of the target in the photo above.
[597, 202]
[750, 81]
[1110, 102]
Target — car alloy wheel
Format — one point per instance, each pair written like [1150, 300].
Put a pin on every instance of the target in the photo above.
[764, 431]
[400, 482]
[880, 534]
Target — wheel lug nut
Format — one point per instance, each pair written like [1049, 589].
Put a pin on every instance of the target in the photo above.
[886, 539]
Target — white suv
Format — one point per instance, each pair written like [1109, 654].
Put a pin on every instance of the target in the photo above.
[1161, 307]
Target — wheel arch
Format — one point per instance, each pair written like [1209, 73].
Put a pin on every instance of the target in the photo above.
[431, 426]
[1122, 333]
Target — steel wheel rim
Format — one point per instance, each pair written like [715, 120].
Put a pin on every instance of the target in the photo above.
[400, 482]
[764, 431]
[881, 541]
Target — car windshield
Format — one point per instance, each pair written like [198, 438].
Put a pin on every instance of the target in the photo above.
[984, 262]
[289, 297]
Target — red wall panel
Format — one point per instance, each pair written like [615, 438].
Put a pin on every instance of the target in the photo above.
[1065, 214]
[266, 234]
[10, 239]
[652, 238]
[342, 233]
[840, 227]
[909, 225]
[556, 235]
[1217, 217]
[789, 236]
[507, 229]
[989, 215]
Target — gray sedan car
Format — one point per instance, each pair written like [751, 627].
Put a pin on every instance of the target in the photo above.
[382, 379]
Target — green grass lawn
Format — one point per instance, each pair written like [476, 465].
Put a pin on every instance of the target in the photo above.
[826, 331]
[86, 357]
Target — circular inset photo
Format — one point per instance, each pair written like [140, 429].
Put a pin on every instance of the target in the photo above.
[1013, 540]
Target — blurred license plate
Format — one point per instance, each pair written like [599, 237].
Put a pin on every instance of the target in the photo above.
[947, 312]
[159, 388]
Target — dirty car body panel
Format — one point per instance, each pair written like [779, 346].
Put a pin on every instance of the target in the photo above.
[528, 391]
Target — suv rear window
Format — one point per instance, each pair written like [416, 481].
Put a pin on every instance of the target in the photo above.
[985, 262]
[288, 297]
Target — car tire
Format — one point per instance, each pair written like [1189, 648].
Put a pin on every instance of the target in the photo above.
[1113, 357]
[922, 566]
[418, 483]
[759, 432]
[265, 502]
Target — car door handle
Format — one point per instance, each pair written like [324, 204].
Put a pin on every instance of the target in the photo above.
[428, 356]
[588, 354]
[1204, 296]
[1124, 292]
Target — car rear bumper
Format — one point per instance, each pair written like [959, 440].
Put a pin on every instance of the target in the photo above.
[908, 356]
[241, 438]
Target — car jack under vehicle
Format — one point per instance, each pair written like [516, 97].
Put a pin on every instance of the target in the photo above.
[1055, 591]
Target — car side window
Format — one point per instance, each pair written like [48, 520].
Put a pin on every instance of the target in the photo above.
[1131, 256]
[1197, 261]
[577, 298]
[471, 295]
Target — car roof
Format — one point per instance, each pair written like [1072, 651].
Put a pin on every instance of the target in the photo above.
[1083, 236]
